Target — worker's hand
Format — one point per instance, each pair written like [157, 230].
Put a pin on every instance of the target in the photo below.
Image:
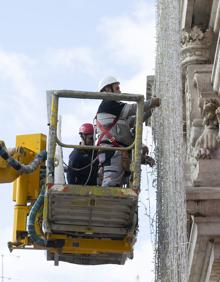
[150, 161]
[144, 153]
[155, 102]
[145, 150]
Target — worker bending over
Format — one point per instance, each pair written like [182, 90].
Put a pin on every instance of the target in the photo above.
[114, 121]
[83, 164]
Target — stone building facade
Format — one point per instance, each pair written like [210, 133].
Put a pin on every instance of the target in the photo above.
[200, 59]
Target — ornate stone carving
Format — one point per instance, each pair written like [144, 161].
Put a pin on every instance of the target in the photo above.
[203, 118]
[196, 46]
[197, 85]
[200, 101]
[208, 142]
[196, 131]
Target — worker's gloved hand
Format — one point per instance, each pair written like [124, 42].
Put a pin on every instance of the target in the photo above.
[144, 153]
[155, 102]
[150, 161]
[145, 159]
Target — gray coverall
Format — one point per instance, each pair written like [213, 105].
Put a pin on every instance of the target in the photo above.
[123, 115]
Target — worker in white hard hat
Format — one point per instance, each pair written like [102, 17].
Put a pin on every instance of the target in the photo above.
[114, 120]
[108, 83]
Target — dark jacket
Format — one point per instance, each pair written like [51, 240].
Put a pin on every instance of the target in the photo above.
[76, 173]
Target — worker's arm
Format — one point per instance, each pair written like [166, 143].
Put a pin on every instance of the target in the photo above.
[130, 109]
[132, 119]
[74, 163]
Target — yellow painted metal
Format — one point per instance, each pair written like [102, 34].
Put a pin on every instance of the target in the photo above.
[38, 222]
[21, 190]
[91, 246]
[96, 190]
[20, 220]
[51, 153]
[33, 144]
[52, 138]
[7, 173]
[26, 187]
[138, 144]
[54, 112]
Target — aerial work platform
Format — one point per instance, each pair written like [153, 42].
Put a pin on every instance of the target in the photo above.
[87, 225]
[91, 225]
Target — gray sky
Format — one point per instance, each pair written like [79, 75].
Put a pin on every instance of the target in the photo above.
[69, 44]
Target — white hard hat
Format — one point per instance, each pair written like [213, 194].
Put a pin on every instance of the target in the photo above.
[106, 81]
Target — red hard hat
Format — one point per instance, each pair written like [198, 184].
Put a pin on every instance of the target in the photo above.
[86, 128]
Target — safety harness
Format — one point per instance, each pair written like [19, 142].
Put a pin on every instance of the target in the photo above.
[106, 132]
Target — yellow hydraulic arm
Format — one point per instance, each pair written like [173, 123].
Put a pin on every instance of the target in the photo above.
[7, 173]
[16, 161]
[21, 165]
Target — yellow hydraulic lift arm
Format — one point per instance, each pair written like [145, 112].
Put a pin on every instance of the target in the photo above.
[7, 173]
[21, 166]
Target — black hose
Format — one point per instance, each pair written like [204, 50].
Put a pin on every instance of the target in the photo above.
[21, 167]
[35, 238]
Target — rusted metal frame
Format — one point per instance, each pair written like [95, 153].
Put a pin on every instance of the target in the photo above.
[51, 149]
[138, 143]
[53, 139]
[96, 95]
[98, 148]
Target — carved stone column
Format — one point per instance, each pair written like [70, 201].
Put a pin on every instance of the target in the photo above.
[196, 46]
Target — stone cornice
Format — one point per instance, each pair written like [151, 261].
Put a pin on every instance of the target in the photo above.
[196, 46]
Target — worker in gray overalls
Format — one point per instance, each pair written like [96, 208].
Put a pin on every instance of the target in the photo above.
[114, 120]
